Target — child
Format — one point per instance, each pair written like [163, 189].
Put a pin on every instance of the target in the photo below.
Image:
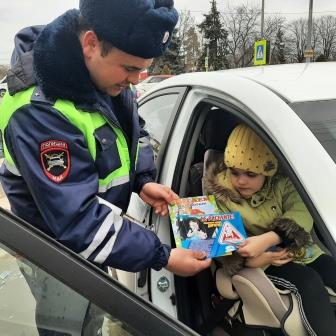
[271, 208]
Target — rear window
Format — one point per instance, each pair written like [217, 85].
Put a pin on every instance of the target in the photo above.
[320, 117]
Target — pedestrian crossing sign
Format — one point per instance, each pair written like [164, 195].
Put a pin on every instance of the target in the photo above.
[260, 52]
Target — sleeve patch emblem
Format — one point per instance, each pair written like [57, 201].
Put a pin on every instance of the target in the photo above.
[55, 160]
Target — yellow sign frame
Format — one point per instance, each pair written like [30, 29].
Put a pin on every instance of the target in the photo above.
[260, 60]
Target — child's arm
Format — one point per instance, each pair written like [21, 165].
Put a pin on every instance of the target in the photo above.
[278, 258]
[256, 245]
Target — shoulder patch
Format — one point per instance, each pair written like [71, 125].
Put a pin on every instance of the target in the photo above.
[55, 160]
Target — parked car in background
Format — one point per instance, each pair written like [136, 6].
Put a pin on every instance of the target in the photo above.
[293, 109]
[3, 86]
[149, 83]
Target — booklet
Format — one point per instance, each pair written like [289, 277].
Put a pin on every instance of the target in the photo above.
[198, 225]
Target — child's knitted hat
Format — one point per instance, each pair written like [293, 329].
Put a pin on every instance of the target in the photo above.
[141, 28]
[245, 150]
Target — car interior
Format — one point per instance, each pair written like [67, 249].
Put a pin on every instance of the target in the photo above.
[250, 304]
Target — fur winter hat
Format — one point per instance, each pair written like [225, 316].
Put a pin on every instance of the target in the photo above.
[141, 28]
[245, 150]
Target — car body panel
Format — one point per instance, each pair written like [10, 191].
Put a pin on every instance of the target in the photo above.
[282, 125]
[294, 82]
[262, 97]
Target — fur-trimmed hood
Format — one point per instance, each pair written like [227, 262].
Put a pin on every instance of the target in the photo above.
[51, 57]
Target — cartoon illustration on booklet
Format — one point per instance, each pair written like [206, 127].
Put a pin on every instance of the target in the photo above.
[198, 225]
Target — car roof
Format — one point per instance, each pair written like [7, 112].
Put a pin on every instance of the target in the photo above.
[294, 82]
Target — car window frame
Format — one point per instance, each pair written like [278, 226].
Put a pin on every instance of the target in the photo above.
[243, 113]
[181, 92]
[182, 163]
[85, 278]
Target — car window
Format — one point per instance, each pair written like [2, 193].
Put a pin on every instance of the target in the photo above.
[157, 112]
[46, 289]
[320, 117]
[19, 278]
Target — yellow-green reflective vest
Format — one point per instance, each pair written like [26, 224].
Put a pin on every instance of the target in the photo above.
[86, 122]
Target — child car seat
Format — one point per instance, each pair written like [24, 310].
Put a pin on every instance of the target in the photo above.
[259, 302]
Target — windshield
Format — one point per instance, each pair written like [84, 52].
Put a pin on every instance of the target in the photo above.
[320, 117]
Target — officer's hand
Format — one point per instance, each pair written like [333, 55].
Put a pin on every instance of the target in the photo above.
[158, 196]
[185, 262]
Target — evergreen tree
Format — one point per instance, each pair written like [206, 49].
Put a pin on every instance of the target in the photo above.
[215, 36]
[171, 59]
[279, 48]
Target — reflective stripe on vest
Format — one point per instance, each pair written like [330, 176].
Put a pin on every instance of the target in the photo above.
[86, 122]
[8, 106]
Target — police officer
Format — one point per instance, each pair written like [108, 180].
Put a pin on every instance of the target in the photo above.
[75, 147]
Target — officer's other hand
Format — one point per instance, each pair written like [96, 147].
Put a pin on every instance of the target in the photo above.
[185, 262]
[158, 196]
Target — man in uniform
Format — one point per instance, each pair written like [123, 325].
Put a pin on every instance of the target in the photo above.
[75, 148]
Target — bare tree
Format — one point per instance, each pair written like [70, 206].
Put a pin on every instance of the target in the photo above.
[241, 24]
[275, 33]
[190, 41]
[326, 35]
[297, 39]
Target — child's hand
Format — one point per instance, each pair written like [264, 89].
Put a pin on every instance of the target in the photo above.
[256, 245]
[278, 258]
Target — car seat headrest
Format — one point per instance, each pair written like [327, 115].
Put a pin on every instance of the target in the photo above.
[217, 128]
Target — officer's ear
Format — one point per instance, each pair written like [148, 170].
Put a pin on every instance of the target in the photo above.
[90, 44]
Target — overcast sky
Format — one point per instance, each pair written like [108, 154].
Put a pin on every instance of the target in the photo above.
[16, 14]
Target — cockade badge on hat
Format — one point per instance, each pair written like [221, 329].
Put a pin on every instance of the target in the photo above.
[165, 37]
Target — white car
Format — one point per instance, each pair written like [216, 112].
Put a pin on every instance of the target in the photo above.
[292, 107]
[3, 86]
[149, 83]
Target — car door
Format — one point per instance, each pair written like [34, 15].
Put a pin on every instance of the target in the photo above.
[82, 294]
[159, 112]
[276, 123]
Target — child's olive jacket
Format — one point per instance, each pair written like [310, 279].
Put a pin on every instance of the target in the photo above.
[277, 199]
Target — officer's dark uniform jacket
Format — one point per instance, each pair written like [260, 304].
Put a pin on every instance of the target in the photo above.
[74, 155]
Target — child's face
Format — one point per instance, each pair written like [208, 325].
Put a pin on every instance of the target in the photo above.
[246, 182]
